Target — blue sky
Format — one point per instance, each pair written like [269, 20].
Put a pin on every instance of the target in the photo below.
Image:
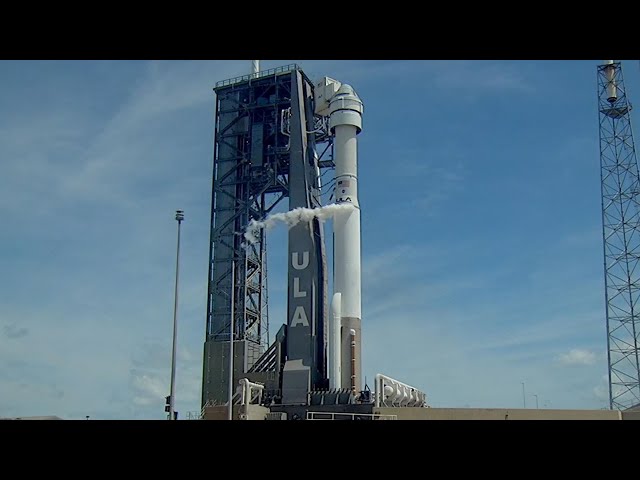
[482, 250]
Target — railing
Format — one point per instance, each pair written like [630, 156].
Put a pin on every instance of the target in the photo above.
[194, 415]
[264, 73]
[349, 416]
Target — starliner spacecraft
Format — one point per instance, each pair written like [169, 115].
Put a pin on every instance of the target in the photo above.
[275, 132]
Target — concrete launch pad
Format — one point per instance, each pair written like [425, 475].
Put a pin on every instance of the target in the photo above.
[370, 412]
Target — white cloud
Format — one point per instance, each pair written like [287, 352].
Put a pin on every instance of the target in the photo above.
[442, 184]
[578, 356]
[601, 391]
[458, 75]
[474, 75]
[150, 389]
[151, 374]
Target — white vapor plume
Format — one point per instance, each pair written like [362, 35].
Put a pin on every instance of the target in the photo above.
[293, 217]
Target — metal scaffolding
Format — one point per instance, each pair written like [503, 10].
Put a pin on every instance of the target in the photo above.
[621, 236]
[263, 123]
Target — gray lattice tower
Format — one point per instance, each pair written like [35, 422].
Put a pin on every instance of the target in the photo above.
[621, 236]
[264, 151]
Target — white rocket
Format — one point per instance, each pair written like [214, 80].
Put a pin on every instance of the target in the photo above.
[344, 108]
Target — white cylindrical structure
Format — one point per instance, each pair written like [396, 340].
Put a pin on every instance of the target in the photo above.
[347, 224]
[255, 66]
[612, 89]
[345, 121]
[334, 342]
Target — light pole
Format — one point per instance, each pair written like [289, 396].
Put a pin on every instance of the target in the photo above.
[524, 398]
[179, 218]
[534, 395]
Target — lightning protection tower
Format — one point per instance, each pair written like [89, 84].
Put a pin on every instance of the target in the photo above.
[620, 183]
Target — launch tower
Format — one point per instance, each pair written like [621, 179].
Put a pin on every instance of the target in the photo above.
[268, 129]
[264, 152]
